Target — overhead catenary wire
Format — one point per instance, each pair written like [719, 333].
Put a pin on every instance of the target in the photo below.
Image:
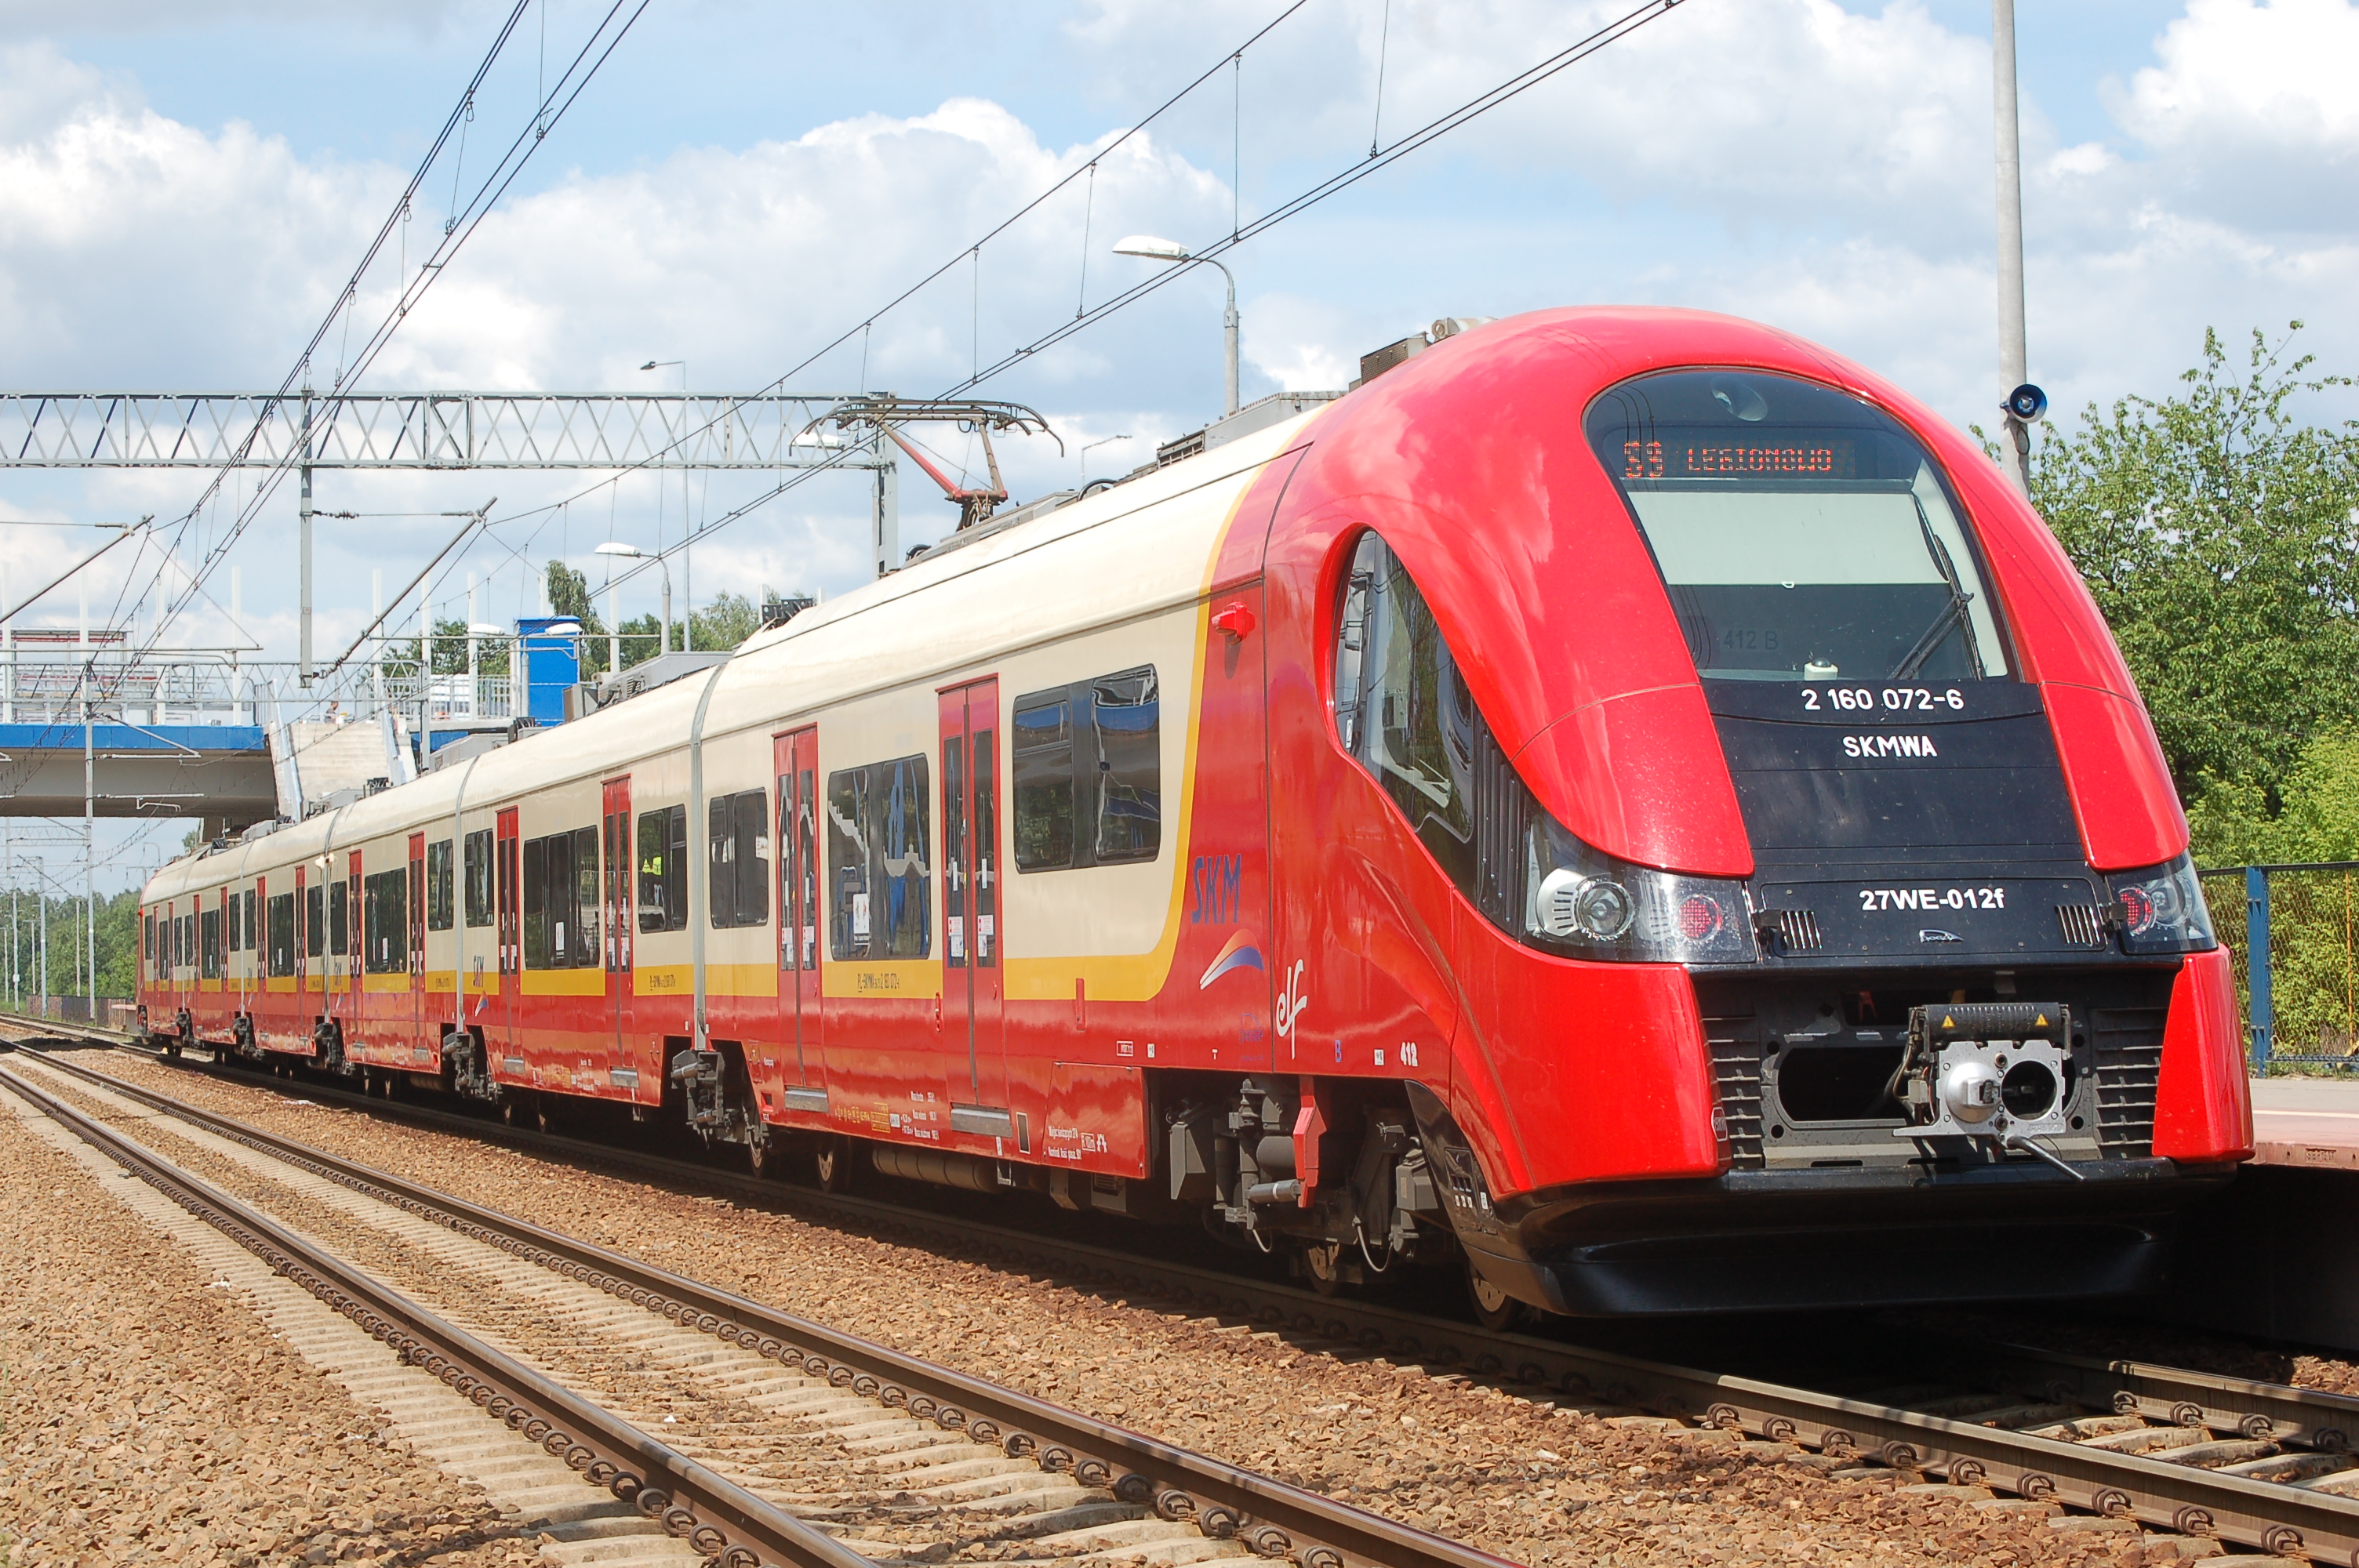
[1423, 135]
[561, 98]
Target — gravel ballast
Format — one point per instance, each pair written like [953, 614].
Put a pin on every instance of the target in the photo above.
[147, 1415]
[1524, 1480]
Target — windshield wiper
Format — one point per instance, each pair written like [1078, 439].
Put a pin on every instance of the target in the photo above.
[1953, 614]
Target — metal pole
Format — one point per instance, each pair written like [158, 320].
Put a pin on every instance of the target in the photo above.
[613, 627]
[2014, 358]
[474, 704]
[1229, 335]
[666, 605]
[41, 945]
[2261, 1015]
[303, 553]
[889, 509]
[89, 854]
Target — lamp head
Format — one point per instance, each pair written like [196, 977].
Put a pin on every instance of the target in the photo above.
[1152, 248]
[614, 547]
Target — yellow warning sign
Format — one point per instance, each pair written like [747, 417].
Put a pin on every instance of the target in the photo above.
[1948, 1023]
[2039, 1023]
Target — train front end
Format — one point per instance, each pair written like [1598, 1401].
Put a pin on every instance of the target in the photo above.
[1841, 944]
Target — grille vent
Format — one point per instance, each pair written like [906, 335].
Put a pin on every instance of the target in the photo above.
[2128, 1045]
[1797, 930]
[1733, 1040]
[2083, 925]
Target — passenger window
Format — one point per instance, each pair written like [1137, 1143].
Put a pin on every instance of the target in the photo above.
[1095, 747]
[738, 876]
[1044, 781]
[1401, 707]
[440, 913]
[281, 935]
[663, 868]
[246, 926]
[560, 900]
[339, 920]
[478, 857]
[879, 820]
[315, 923]
[1126, 718]
[211, 937]
[385, 924]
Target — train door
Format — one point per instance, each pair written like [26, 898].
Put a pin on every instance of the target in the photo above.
[302, 1013]
[615, 888]
[417, 941]
[796, 756]
[506, 879]
[972, 989]
[355, 947]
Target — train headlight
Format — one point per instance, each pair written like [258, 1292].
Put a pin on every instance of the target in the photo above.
[2162, 910]
[1595, 909]
[1588, 904]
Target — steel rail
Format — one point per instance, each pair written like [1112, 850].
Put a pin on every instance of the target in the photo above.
[1225, 1501]
[2278, 1518]
[714, 1515]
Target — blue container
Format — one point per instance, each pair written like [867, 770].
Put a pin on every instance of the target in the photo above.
[552, 663]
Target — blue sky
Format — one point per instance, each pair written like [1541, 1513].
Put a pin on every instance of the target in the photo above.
[185, 186]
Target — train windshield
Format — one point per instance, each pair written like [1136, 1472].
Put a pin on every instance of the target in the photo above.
[1802, 534]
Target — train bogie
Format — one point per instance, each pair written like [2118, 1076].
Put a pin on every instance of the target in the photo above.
[1534, 814]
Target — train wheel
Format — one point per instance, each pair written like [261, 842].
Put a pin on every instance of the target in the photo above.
[768, 1156]
[1494, 1307]
[835, 1159]
[513, 1111]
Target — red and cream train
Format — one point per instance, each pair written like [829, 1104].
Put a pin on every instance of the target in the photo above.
[1645, 808]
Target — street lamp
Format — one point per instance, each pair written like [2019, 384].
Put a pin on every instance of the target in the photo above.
[687, 560]
[633, 553]
[1085, 455]
[1154, 249]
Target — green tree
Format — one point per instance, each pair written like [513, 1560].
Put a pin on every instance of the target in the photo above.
[569, 594]
[2215, 530]
[728, 620]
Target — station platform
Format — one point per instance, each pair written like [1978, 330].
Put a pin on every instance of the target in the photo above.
[2311, 1122]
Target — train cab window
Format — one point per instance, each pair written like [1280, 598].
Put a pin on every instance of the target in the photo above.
[1089, 772]
[384, 921]
[315, 921]
[1801, 533]
[880, 875]
[1400, 706]
[339, 931]
[279, 925]
[737, 867]
[479, 878]
[441, 910]
[663, 868]
[147, 937]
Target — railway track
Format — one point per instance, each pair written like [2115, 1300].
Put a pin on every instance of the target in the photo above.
[902, 1459]
[2252, 1464]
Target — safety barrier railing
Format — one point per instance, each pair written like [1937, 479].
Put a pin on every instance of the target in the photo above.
[2296, 954]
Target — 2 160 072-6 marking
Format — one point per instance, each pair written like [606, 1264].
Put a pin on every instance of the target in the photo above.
[1874, 900]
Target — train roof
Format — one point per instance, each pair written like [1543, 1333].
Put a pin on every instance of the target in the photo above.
[1139, 548]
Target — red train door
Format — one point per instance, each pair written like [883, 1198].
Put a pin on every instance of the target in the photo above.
[355, 947]
[302, 1015]
[796, 756]
[507, 878]
[417, 939]
[971, 991]
[616, 888]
